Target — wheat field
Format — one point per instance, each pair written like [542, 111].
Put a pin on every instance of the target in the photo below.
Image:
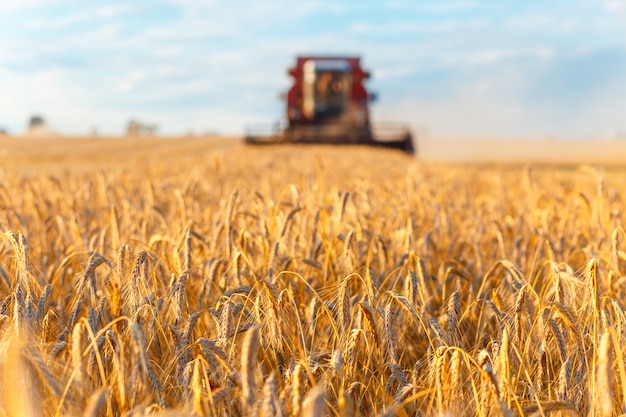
[307, 281]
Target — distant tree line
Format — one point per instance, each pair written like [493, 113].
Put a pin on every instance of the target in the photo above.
[137, 128]
[37, 126]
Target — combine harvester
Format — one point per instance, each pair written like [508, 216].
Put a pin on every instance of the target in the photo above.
[328, 104]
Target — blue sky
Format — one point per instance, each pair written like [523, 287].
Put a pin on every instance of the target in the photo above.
[448, 68]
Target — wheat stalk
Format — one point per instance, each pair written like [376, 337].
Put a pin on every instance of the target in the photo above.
[603, 402]
[248, 358]
[314, 404]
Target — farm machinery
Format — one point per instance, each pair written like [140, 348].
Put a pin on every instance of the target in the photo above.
[328, 103]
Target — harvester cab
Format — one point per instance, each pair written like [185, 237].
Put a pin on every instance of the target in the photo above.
[329, 104]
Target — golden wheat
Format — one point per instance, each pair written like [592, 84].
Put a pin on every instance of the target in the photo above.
[312, 281]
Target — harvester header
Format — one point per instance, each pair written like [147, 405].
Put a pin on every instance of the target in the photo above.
[328, 103]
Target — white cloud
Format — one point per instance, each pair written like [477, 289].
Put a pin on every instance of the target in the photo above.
[15, 6]
[112, 11]
[492, 56]
[82, 16]
[244, 16]
[615, 5]
[430, 8]
[399, 28]
[24, 95]
[127, 84]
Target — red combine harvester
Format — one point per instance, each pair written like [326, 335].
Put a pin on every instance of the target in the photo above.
[328, 104]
